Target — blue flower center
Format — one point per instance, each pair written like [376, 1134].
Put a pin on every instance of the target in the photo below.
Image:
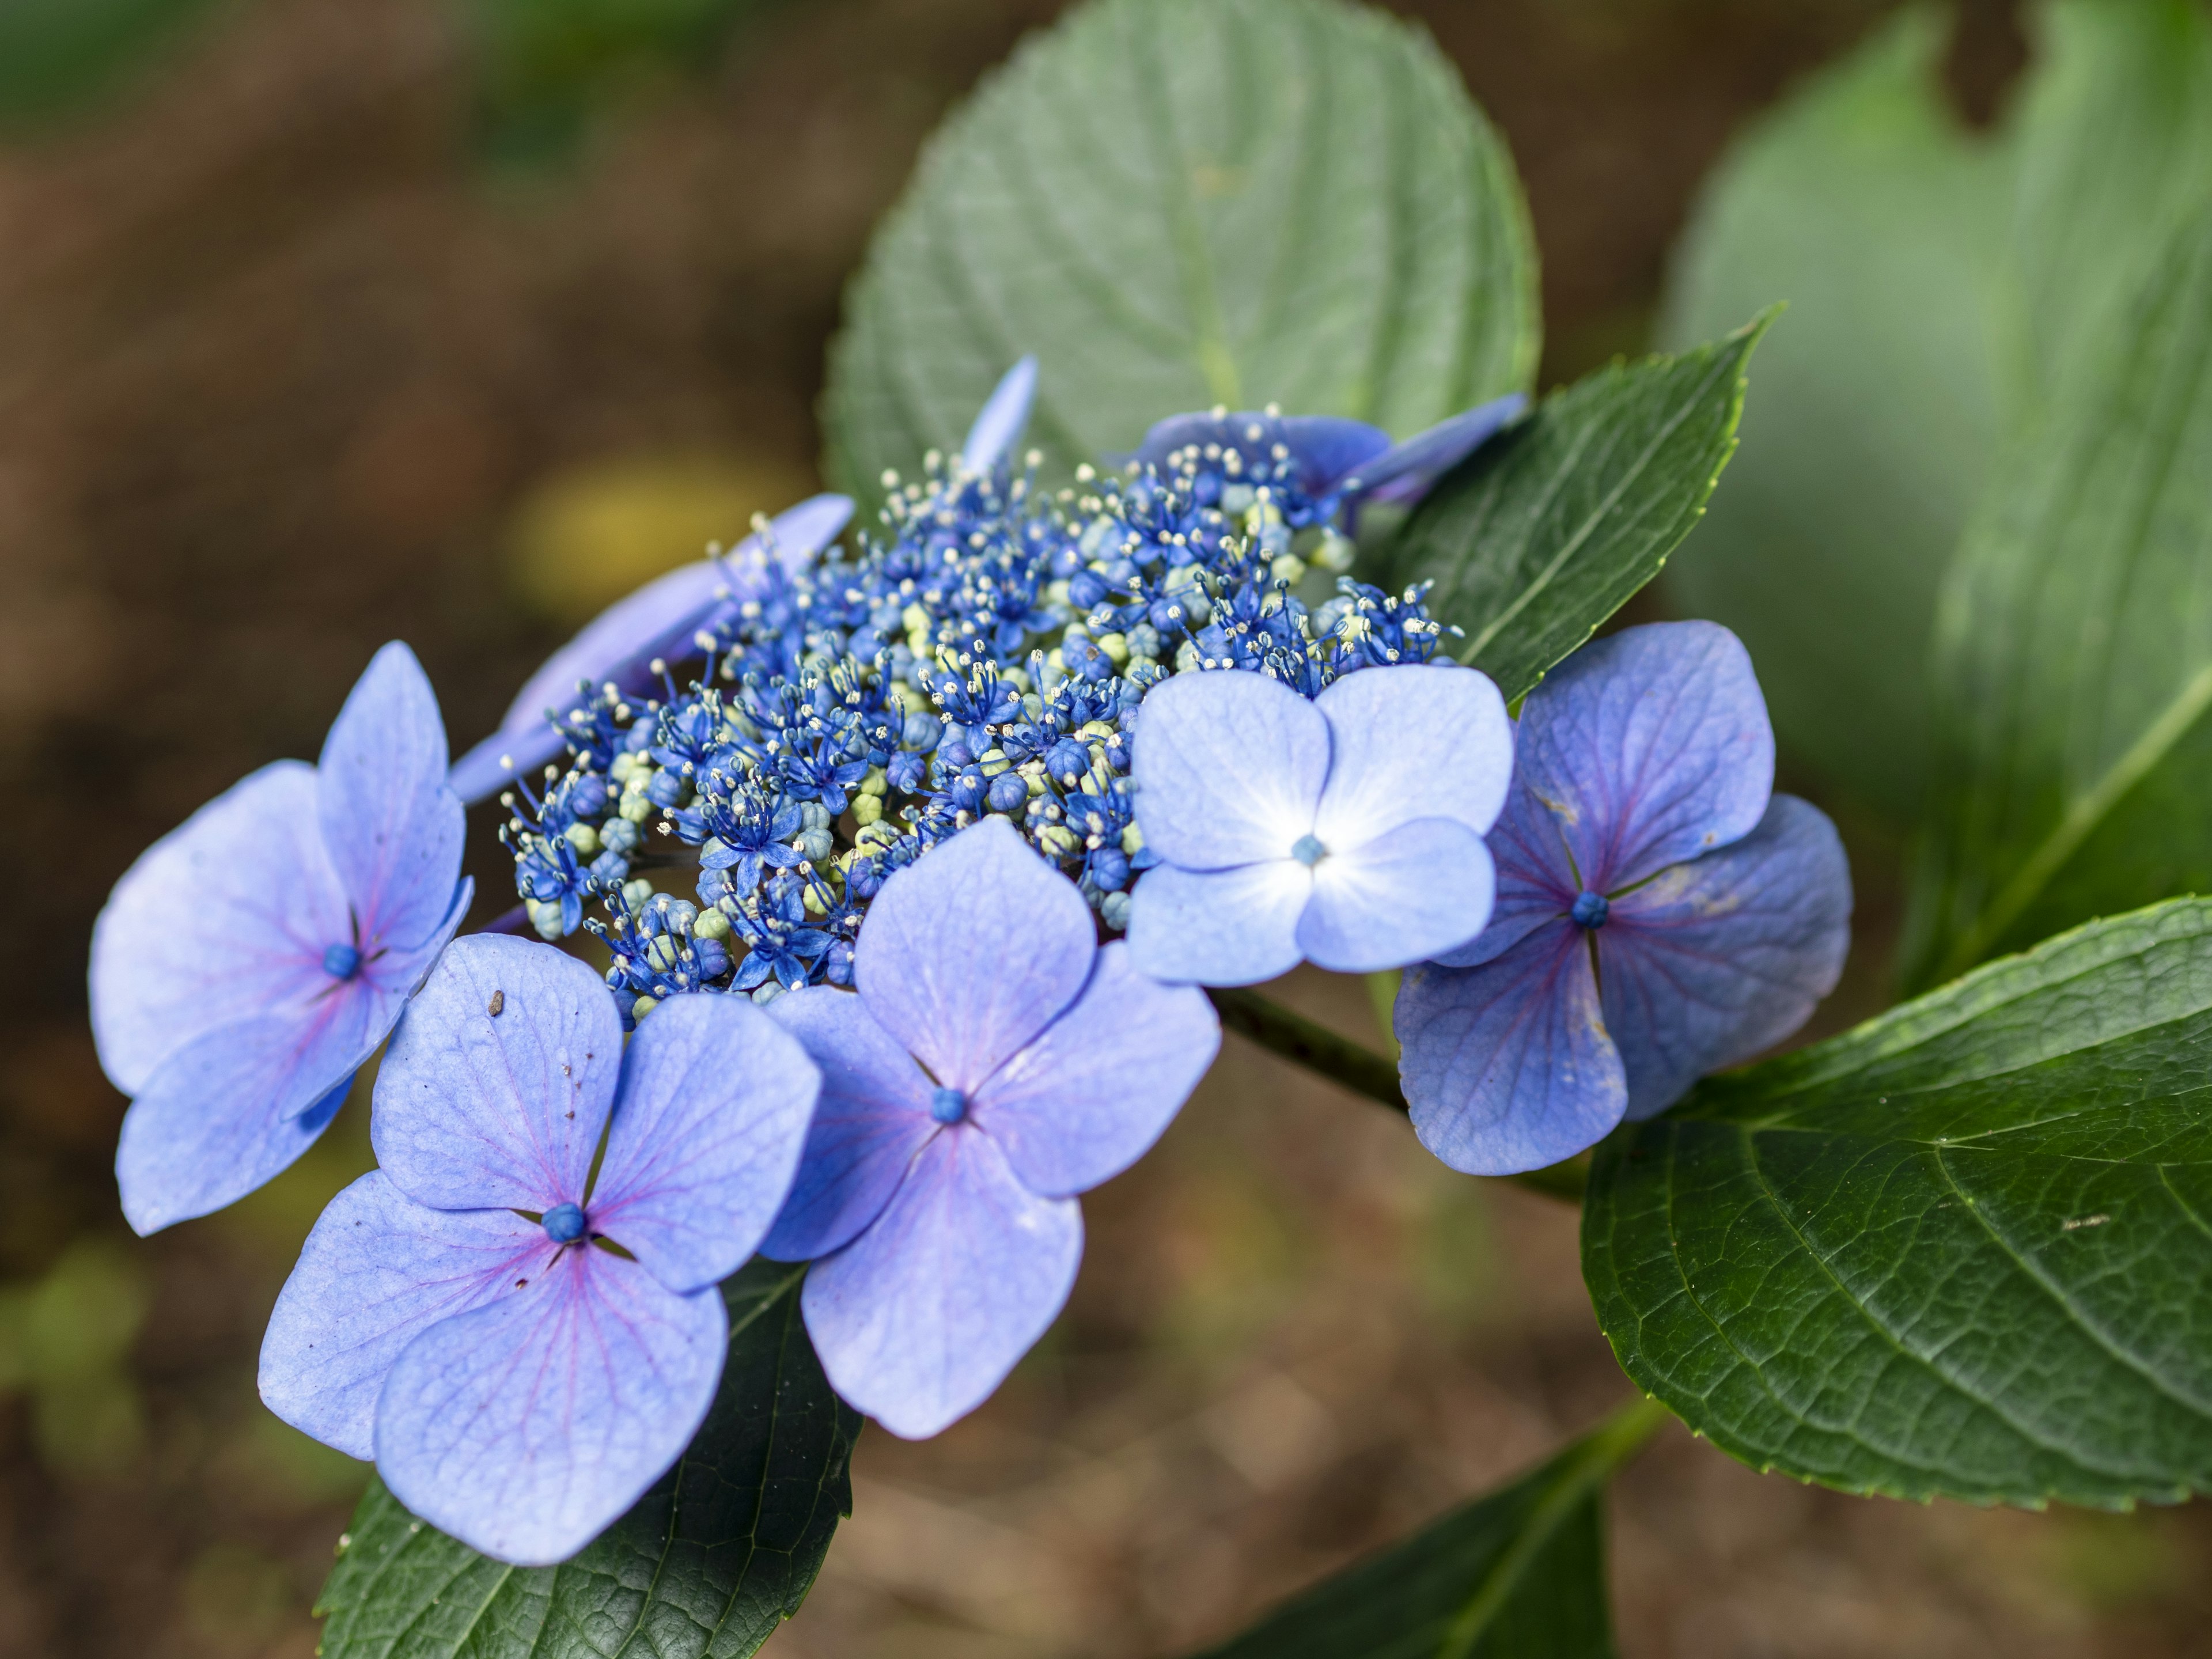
[948, 1105]
[1309, 851]
[564, 1223]
[1590, 910]
[342, 961]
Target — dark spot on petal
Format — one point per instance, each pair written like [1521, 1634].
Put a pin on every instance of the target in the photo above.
[497, 1005]
[519, 1283]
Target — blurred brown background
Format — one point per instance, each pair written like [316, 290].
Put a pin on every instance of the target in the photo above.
[301, 349]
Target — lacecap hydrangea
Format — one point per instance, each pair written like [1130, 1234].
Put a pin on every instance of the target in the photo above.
[983, 652]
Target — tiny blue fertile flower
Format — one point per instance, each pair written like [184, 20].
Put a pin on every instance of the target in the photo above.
[518, 1385]
[252, 959]
[620, 645]
[993, 1062]
[1661, 912]
[1346, 829]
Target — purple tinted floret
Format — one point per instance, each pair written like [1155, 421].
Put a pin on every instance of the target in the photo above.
[994, 1063]
[518, 1385]
[251, 960]
[1661, 912]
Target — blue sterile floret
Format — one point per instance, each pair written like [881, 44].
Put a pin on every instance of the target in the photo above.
[981, 654]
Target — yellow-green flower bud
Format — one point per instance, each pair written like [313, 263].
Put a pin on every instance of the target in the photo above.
[584, 838]
[867, 810]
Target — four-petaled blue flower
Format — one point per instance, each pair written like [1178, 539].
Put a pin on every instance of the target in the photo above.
[1346, 829]
[252, 959]
[1659, 911]
[620, 645]
[519, 1386]
[994, 1063]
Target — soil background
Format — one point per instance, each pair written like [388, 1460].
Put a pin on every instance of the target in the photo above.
[288, 369]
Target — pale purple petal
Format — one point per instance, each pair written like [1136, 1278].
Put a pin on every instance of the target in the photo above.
[1714, 960]
[392, 827]
[871, 1118]
[707, 1124]
[621, 642]
[1218, 926]
[528, 1426]
[1229, 769]
[1422, 888]
[969, 952]
[1535, 879]
[1649, 747]
[919, 1319]
[1404, 471]
[225, 918]
[378, 1270]
[1087, 1098]
[1324, 447]
[1507, 1066]
[1003, 417]
[476, 1109]
[1420, 741]
[230, 1110]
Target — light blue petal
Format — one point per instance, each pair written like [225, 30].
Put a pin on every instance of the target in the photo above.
[224, 919]
[1419, 740]
[969, 952]
[1537, 882]
[1403, 897]
[1324, 447]
[1090, 1096]
[711, 1112]
[1004, 415]
[1508, 1067]
[919, 1319]
[1719, 958]
[378, 1270]
[1218, 926]
[1229, 768]
[394, 829]
[230, 1110]
[1649, 747]
[1404, 471]
[621, 642]
[476, 1110]
[528, 1426]
[871, 1118]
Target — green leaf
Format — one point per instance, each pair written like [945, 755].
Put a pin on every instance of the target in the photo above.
[709, 1563]
[1180, 202]
[56, 56]
[1516, 1574]
[1546, 530]
[1964, 1250]
[1866, 206]
[2074, 655]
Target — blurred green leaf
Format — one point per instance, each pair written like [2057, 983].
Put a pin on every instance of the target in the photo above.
[1960, 1251]
[2073, 654]
[1180, 202]
[57, 55]
[1546, 530]
[1864, 205]
[66, 1342]
[1518, 1574]
[717, 1555]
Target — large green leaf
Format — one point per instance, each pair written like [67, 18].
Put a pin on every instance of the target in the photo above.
[1547, 529]
[1180, 202]
[1865, 205]
[1518, 1574]
[709, 1563]
[1964, 1251]
[2074, 654]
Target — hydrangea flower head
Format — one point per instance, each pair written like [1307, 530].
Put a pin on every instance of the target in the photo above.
[452, 1314]
[994, 1063]
[1661, 912]
[619, 646]
[1346, 829]
[252, 959]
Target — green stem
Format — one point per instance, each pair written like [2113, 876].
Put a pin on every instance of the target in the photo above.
[1358, 1069]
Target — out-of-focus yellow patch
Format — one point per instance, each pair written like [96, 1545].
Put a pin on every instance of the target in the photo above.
[65, 1341]
[584, 536]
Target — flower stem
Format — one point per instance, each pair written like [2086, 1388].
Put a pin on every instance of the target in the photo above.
[1357, 1068]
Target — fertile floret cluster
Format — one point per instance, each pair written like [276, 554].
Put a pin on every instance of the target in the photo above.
[982, 654]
